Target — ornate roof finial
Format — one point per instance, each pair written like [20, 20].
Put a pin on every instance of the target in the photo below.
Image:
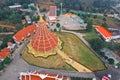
[41, 19]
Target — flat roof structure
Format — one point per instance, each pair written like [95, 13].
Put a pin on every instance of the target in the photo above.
[5, 52]
[24, 33]
[40, 76]
[52, 11]
[71, 22]
[15, 6]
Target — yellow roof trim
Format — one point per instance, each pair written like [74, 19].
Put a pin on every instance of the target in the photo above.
[41, 19]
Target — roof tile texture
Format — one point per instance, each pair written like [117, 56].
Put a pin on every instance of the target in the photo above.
[44, 40]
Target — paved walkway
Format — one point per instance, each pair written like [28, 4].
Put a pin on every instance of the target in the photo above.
[73, 63]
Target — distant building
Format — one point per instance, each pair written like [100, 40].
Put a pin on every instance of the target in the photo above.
[28, 19]
[72, 22]
[26, 10]
[11, 46]
[5, 52]
[106, 35]
[52, 14]
[40, 76]
[105, 78]
[23, 21]
[116, 33]
[31, 4]
[15, 6]
[24, 33]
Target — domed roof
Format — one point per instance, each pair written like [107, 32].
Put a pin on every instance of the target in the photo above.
[43, 40]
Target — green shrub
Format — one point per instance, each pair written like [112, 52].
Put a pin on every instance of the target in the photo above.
[111, 61]
[7, 60]
[1, 66]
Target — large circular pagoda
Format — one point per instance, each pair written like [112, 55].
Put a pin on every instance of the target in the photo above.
[44, 41]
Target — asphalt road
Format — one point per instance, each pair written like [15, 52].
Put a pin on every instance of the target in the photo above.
[114, 72]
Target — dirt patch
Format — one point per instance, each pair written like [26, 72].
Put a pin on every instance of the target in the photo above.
[7, 26]
[117, 52]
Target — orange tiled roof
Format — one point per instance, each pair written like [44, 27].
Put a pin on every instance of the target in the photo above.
[4, 53]
[104, 31]
[33, 77]
[52, 21]
[40, 76]
[69, 14]
[24, 33]
[43, 40]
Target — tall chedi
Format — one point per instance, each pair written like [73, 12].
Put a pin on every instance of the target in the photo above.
[44, 41]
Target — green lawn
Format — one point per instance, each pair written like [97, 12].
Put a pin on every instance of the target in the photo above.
[91, 35]
[78, 51]
[52, 62]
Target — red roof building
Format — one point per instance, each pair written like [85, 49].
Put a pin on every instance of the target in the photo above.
[24, 33]
[9, 44]
[107, 35]
[52, 11]
[52, 14]
[5, 52]
[105, 78]
[41, 76]
[44, 40]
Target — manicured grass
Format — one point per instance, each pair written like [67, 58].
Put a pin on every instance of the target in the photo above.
[52, 62]
[73, 47]
[91, 35]
[78, 51]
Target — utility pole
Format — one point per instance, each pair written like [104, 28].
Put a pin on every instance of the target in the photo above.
[61, 8]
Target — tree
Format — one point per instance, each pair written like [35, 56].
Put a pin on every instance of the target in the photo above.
[95, 16]
[114, 46]
[32, 7]
[1, 66]
[105, 25]
[25, 5]
[58, 25]
[55, 30]
[102, 54]
[96, 44]
[111, 61]
[106, 57]
[104, 19]
[89, 25]
[7, 60]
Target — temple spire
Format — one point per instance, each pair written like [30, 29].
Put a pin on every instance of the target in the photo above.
[41, 19]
